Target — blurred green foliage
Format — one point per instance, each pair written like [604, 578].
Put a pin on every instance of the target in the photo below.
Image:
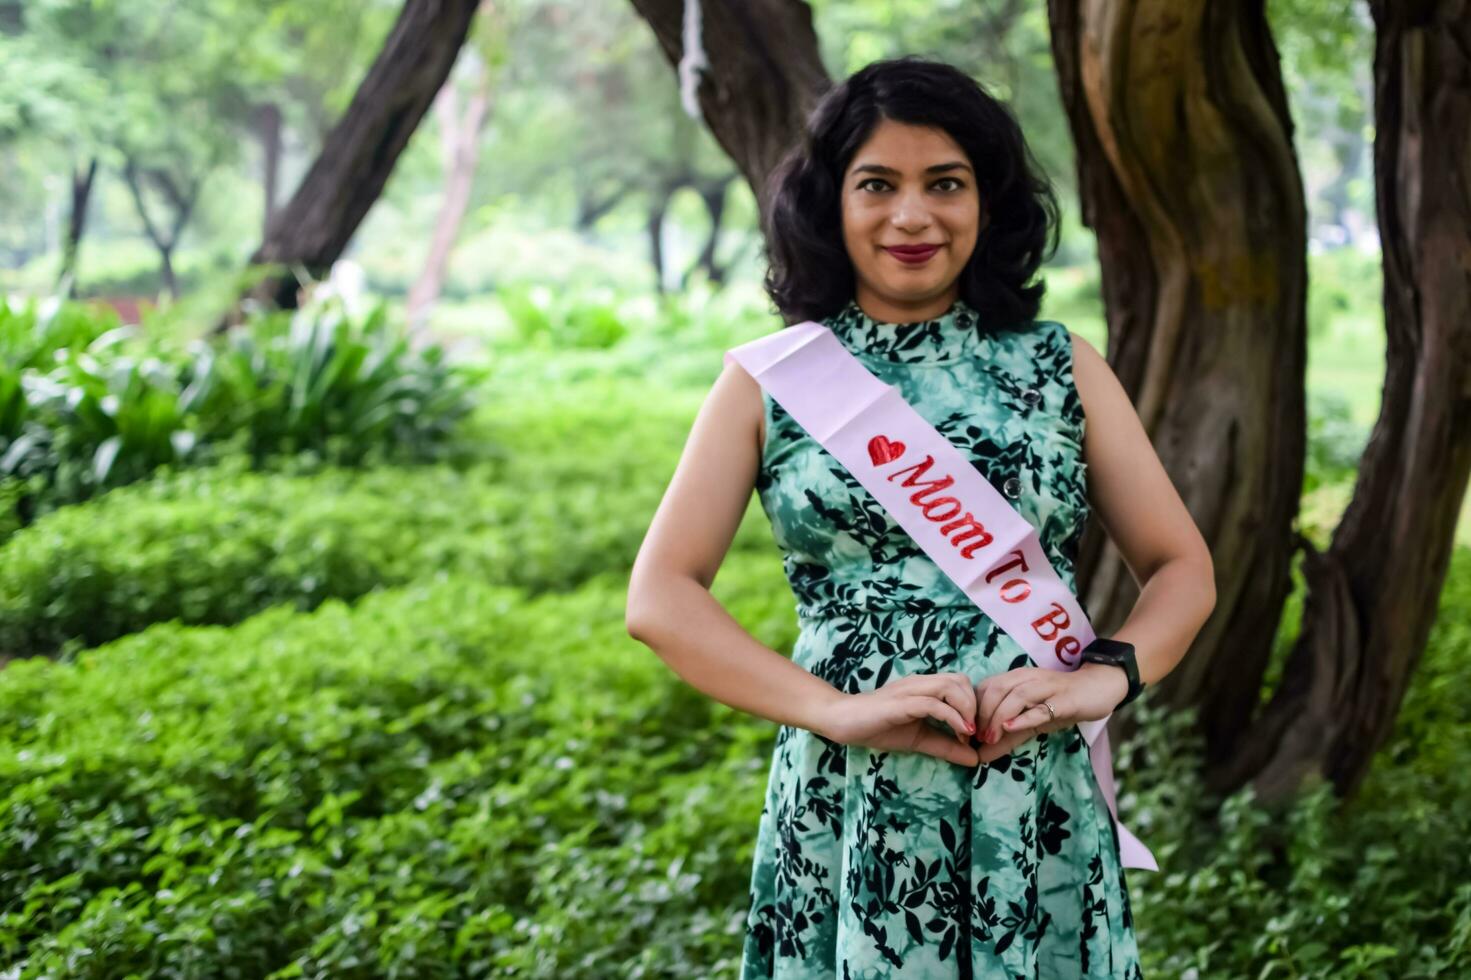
[215, 545]
[86, 405]
[1377, 888]
[456, 778]
[450, 779]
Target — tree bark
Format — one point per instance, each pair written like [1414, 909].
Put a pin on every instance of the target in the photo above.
[713, 193]
[765, 74]
[1188, 178]
[313, 228]
[180, 199]
[1373, 594]
[66, 277]
[460, 150]
[658, 207]
[268, 130]
[591, 207]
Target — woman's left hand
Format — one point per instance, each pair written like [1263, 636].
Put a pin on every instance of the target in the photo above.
[1009, 704]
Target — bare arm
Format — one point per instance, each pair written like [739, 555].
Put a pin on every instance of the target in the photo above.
[1147, 521]
[670, 608]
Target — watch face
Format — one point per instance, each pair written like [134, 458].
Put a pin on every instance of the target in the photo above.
[1114, 649]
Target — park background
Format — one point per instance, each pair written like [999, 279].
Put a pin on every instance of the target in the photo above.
[312, 617]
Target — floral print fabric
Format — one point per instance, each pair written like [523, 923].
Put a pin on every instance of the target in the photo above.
[877, 864]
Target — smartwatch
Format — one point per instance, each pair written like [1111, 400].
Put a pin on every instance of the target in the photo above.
[1120, 654]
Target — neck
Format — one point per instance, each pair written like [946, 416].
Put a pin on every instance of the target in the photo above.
[891, 310]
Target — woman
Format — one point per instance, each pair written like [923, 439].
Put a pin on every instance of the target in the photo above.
[909, 221]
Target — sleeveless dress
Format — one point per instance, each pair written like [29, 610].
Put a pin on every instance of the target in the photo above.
[878, 864]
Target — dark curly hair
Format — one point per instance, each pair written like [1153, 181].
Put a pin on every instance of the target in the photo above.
[809, 272]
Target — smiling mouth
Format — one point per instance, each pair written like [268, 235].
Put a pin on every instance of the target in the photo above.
[912, 254]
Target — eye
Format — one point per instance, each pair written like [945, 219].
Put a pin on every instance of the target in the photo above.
[959, 184]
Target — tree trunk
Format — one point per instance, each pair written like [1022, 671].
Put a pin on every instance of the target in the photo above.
[460, 145]
[268, 129]
[713, 193]
[1188, 178]
[591, 208]
[1372, 596]
[1224, 402]
[314, 227]
[66, 278]
[180, 199]
[765, 74]
[658, 207]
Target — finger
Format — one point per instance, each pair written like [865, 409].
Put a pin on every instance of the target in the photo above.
[960, 696]
[1020, 699]
[1011, 703]
[965, 702]
[933, 743]
[936, 707]
[948, 689]
[1036, 717]
[988, 695]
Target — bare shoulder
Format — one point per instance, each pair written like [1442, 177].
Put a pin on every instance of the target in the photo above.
[707, 496]
[1105, 402]
[743, 396]
[1102, 394]
[1088, 364]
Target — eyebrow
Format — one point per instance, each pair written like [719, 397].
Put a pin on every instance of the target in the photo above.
[878, 168]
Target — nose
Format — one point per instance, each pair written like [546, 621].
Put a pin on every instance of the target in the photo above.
[910, 214]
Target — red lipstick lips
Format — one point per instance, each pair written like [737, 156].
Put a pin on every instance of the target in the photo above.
[912, 254]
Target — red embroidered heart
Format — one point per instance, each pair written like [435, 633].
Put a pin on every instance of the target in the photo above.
[882, 451]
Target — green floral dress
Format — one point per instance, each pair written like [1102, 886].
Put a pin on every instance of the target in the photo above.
[875, 863]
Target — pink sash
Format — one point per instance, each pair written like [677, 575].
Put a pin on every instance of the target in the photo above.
[939, 497]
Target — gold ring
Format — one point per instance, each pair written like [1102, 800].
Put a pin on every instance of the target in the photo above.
[1048, 706]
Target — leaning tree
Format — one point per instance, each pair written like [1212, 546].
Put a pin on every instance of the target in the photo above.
[312, 229]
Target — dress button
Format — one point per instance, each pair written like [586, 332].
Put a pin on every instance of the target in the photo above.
[1012, 488]
[1032, 396]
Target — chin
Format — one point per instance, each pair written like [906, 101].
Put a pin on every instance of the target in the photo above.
[916, 287]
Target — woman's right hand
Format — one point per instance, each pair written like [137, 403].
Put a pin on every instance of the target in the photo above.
[896, 717]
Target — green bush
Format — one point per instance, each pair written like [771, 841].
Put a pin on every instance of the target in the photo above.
[541, 318]
[1335, 442]
[1377, 888]
[215, 546]
[123, 267]
[459, 779]
[33, 331]
[448, 779]
[84, 409]
[549, 493]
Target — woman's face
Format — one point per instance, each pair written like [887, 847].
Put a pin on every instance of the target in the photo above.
[909, 185]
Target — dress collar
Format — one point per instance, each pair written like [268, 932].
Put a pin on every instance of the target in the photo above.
[952, 336]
